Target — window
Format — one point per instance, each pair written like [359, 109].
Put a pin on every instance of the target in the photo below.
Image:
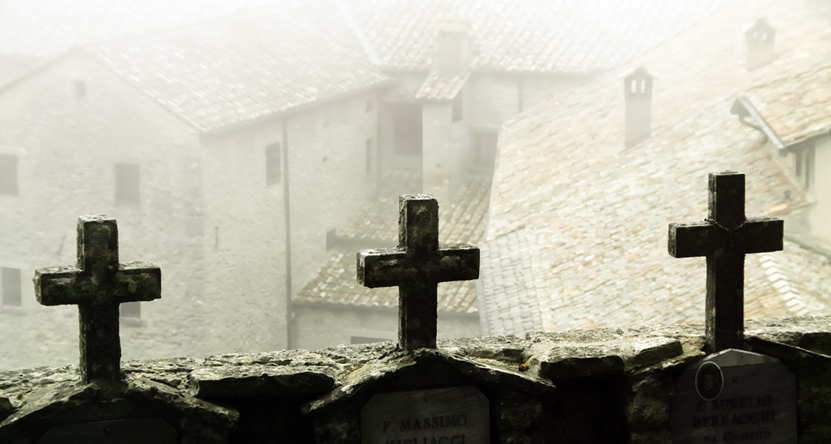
[273, 164]
[407, 129]
[130, 310]
[369, 151]
[10, 280]
[8, 174]
[127, 182]
[484, 148]
[79, 87]
[805, 166]
[456, 104]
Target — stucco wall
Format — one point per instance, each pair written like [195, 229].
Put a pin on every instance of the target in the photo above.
[67, 148]
[821, 213]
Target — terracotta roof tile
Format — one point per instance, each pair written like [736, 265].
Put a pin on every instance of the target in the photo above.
[441, 86]
[591, 218]
[246, 66]
[527, 35]
[796, 106]
[45, 28]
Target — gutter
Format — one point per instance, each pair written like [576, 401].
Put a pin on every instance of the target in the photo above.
[287, 214]
[744, 109]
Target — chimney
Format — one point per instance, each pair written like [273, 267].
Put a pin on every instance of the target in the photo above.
[759, 39]
[637, 90]
[453, 44]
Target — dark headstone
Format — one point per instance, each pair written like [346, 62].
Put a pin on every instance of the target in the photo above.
[457, 415]
[416, 267]
[97, 285]
[122, 431]
[724, 238]
[735, 396]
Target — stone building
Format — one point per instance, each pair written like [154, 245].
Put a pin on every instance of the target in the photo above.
[185, 132]
[567, 172]
[268, 135]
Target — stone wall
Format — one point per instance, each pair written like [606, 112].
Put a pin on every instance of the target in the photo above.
[66, 169]
[343, 322]
[585, 386]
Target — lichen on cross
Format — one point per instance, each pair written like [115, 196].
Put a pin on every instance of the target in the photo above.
[417, 266]
[97, 285]
[724, 238]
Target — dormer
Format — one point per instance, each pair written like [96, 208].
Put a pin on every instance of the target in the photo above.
[637, 91]
[453, 45]
[760, 40]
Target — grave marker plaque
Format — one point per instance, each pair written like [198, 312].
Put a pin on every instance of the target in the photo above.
[458, 415]
[735, 397]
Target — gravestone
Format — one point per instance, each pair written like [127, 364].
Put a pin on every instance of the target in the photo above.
[724, 238]
[732, 395]
[458, 415]
[97, 285]
[417, 266]
[735, 396]
[121, 431]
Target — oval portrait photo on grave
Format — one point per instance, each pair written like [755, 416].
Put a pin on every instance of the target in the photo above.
[709, 381]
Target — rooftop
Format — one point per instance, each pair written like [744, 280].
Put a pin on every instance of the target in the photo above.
[584, 220]
[246, 66]
[461, 221]
[46, 28]
[563, 36]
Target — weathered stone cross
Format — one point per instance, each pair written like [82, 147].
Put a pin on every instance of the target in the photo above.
[416, 267]
[725, 237]
[97, 286]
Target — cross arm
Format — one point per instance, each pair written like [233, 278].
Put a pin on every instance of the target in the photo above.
[692, 239]
[384, 267]
[58, 286]
[457, 262]
[760, 235]
[138, 281]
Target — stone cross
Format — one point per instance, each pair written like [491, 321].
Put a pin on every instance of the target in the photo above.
[724, 238]
[97, 285]
[417, 266]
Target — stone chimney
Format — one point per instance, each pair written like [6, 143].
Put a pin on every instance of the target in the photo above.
[453, 43]
[759, 39]
[637, 90]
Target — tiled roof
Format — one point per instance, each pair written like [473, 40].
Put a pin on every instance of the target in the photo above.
[45, 28]
[462, 221]
[439, 86]
[590, 218]
[796, 107]
[249, 65]
[526, 35]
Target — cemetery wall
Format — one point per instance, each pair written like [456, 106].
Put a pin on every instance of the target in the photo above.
[67, 169]
[345, 322]
[582, 386]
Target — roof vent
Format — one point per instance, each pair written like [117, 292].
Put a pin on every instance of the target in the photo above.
[453, 44]
[759, 38]
[637, 89]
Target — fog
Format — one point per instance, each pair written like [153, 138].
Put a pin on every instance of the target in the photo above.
[251, 149]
